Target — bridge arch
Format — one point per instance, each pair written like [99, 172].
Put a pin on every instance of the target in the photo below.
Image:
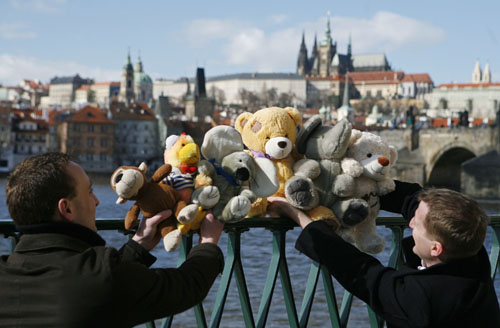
[446, 167]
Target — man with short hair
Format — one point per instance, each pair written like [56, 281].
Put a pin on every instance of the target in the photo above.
[62, 275]
[447, 283]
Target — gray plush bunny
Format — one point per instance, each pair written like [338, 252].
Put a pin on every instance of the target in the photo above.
[239, 177]
[324, 147]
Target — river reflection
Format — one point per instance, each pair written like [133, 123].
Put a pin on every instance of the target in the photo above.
[256, 255]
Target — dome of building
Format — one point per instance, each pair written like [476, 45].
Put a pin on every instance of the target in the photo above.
[141, 77]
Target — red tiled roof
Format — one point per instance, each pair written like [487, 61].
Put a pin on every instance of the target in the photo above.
[89, 114]
[83, 87]
[136, 111]
[326, 78]
[377, 77]
[419, 78]
[117, 84]
[467, 85]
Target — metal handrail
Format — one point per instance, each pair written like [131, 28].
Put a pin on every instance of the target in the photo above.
[278, 266]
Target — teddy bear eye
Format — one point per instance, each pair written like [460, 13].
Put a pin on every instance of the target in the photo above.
[369, 155]
[286, 135]
[267, 138]
[240, 161]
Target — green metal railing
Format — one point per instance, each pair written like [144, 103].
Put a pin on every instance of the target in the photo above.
[278, 266]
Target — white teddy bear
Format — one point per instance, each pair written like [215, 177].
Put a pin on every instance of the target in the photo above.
[368, 159]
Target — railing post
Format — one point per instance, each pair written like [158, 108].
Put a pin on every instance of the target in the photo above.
[184, 249]
[278, 264]
[232, 263]
[495, 250]
[307, 301]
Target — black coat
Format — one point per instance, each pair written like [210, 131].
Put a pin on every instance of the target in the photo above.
[459, 293]
[62, 275]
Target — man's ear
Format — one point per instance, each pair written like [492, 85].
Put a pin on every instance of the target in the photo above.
[64, 209]
[436, 248]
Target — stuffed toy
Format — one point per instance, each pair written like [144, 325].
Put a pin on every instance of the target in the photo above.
[239, 177]
[324, 147]
[271, 133]
[369, 158]
[183, 154]
[151, 197]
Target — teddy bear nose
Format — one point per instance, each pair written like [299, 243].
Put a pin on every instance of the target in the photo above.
[242, 174]
[383, 161]
[282, 144]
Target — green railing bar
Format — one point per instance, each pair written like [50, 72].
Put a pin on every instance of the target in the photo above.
[233, 261]
[495, 251]
[345, 309]
[286, 283]
[278, 265]
[307, 300]
[330, 297]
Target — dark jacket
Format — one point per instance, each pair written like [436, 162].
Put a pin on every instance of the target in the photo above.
[459, 293]
[62, 275]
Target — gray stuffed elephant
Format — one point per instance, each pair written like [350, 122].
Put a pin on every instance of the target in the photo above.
[239, 177]
[324, 147]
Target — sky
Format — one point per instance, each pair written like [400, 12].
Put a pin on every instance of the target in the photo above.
[41, 39]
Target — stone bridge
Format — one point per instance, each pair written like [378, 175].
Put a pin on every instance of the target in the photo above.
[434, 156]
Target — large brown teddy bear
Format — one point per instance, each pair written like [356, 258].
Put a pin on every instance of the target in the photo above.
[271, 133]
[151, 197]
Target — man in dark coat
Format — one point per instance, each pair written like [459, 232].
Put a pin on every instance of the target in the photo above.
[448, 286]
[61, 274]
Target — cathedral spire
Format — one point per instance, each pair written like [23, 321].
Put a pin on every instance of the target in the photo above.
[345, 100]
[328, 35]
[302, 61]
[487, 74]
[477, 74]
[138, 66]
[349, 49]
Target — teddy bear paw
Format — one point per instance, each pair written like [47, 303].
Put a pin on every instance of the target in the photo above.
[172, 240]
[372, 244]
[240, 206]
[187, 214]
[300, 192]
[355, 213]
[208, 196]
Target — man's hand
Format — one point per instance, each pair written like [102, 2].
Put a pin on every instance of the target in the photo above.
[210, 229]
[282, 207]
[147, 235]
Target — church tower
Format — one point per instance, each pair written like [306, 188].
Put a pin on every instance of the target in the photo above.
[487, 74]
[126, 94]
[302, 62]
[143, 84]
[326, 51]
[476, 74]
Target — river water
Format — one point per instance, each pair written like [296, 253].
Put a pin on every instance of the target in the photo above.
[256, 252]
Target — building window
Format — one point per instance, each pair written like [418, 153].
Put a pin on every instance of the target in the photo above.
[104, 128]
[89, 157]
[76, 127]
[103, 157]
[90, 128]
[76, 141]
[104, 142]
[90, 142]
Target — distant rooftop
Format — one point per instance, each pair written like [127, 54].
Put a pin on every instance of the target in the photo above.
[256, 76]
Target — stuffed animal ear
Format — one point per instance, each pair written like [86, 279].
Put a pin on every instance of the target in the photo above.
[221, 141]
[355, 135]
[309, 126]
[295, 114]
[265, 179]
[241, 120]
[143, 167]
[394, 154]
